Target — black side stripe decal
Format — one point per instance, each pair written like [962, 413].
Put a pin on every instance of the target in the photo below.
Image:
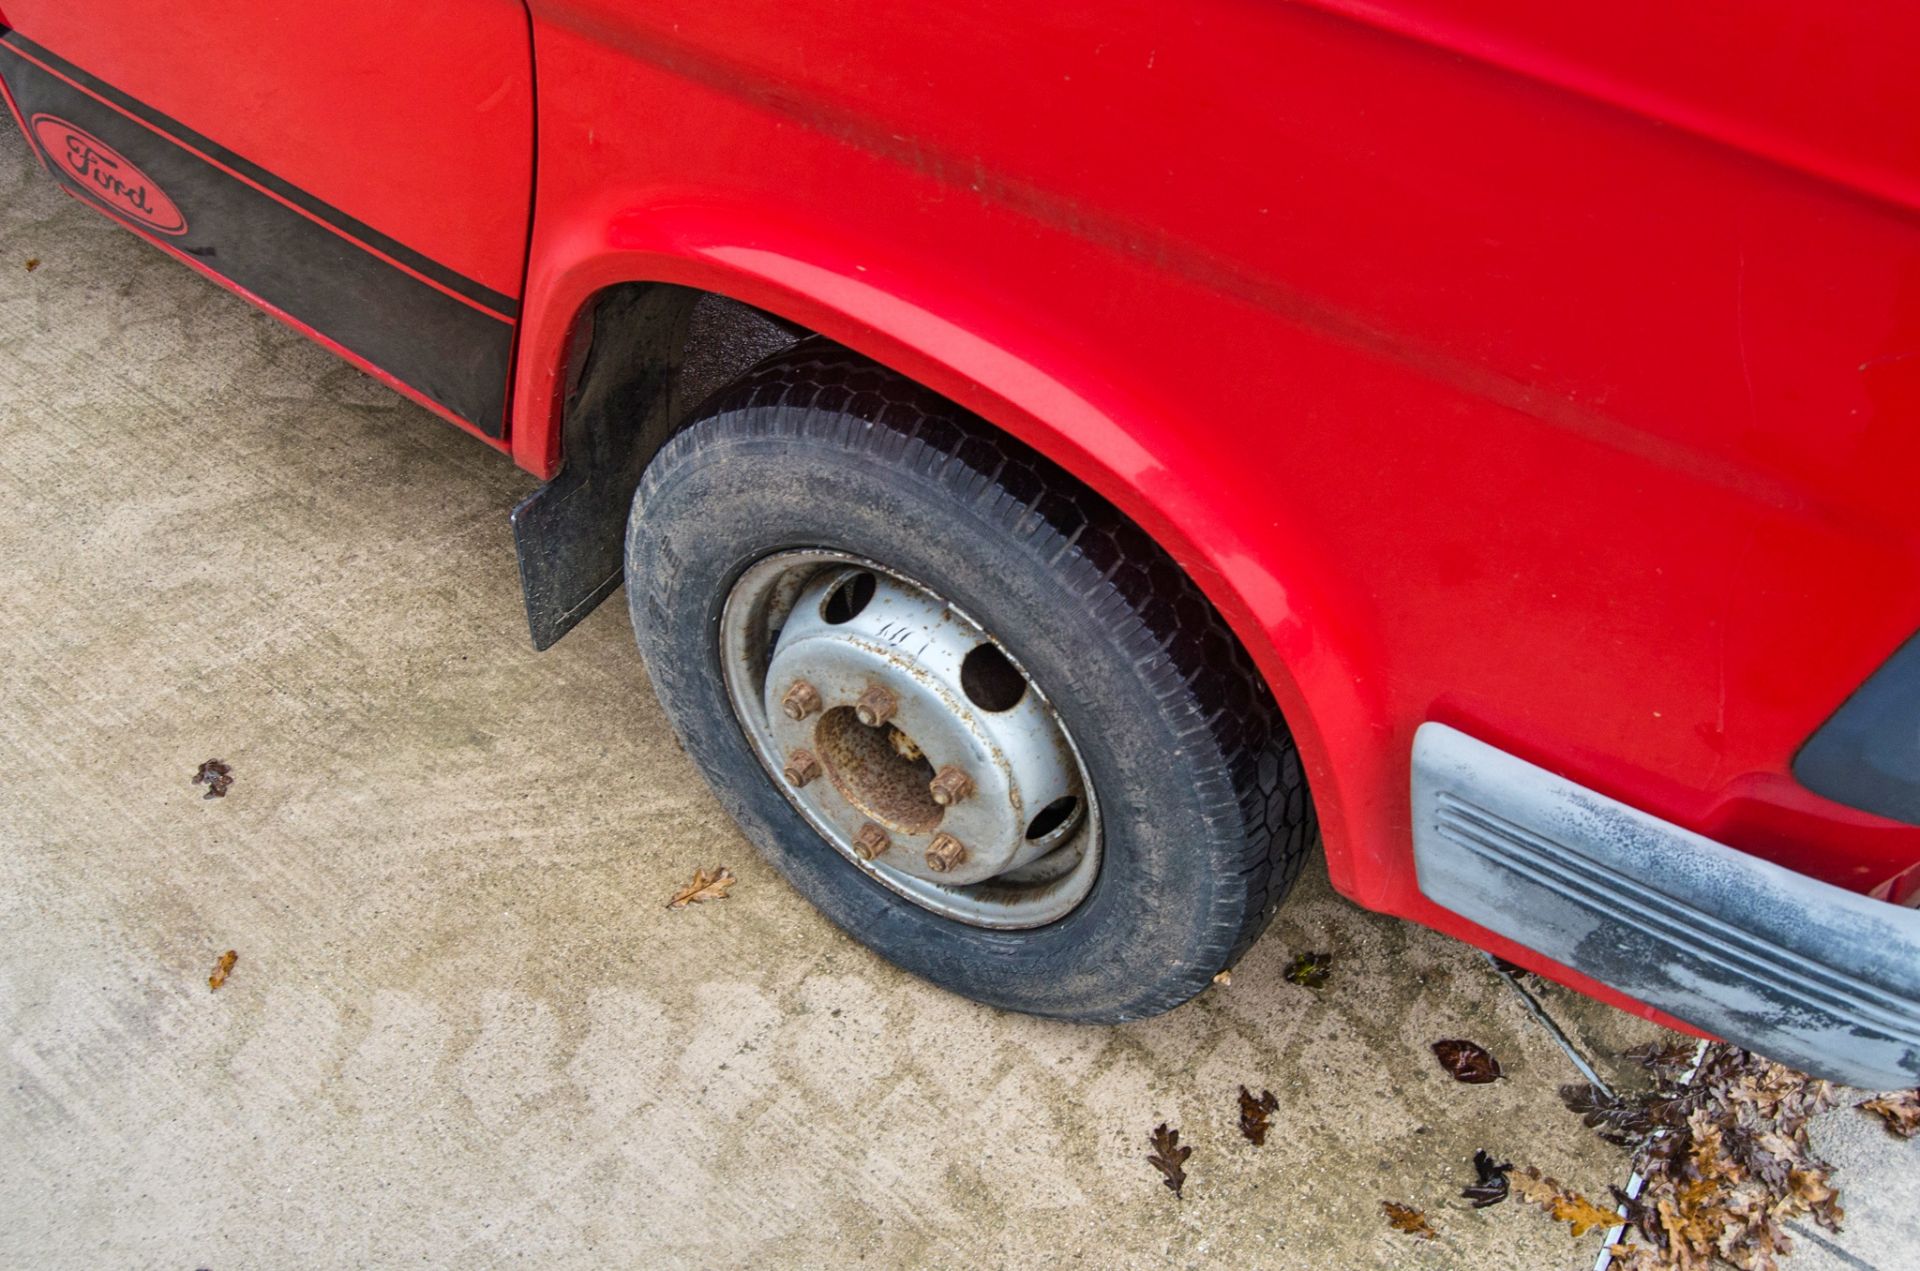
[453, 352]
[459, 283]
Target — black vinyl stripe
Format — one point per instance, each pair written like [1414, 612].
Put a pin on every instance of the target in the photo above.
[451, 279]
[454, 353]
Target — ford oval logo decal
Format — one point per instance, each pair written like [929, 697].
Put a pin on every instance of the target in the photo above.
[106, 174]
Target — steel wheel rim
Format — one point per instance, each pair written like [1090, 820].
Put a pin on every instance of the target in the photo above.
[869, 765]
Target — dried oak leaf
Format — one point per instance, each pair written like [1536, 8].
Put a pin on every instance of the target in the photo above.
[1490, 1187]
[222, 969]
[1566, 1206]
[1410, 1220]
[1467, 1062]
[1639, 1257]
[1254, 1113]
[1900, 1111]
[706, 885]
[216, 777]
[1667, 1060]
[1620, 1121]
[1168, 1157]
[1310, 970]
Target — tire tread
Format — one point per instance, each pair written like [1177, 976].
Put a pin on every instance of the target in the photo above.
[1256, 799]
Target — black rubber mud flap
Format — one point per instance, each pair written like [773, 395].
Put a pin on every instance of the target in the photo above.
[570, 533]
[562, 586]
[653, 352]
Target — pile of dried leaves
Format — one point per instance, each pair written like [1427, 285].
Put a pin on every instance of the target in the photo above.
[1724, 1156]
[1722, 1151]
[1720, 1145]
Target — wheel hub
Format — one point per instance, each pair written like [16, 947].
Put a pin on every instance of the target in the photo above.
[905, 650]
[910, 740]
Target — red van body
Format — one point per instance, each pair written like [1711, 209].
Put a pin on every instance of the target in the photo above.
[1549, 372]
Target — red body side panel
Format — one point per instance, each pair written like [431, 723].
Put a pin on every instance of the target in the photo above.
[373, 194]
[1560, 387]
[413, 117]
[1550, 371]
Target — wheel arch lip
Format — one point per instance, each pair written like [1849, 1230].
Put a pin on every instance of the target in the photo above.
[1067, 403]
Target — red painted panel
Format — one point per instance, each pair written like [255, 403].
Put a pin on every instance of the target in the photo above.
[1558, 389]
[415, 118]
[1825, 88]
[1549, 370]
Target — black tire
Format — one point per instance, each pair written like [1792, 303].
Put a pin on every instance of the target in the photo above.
[1207, 818]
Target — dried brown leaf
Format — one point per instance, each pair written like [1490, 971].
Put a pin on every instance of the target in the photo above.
[1901, 1112]
[1490, 1184]
[222, 969]
[1467, 1062]
[1618, 1120]
[1566, 1206]
[1310, 970]
[216, 777]
[1669, 1059]
[33, 263]
[1168, 1157]
[1254, 1113]
[706, 885]
[1408, 1219]
[1638, 1257]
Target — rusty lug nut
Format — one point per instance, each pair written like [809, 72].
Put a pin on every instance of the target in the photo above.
[945, 853]
[802, 767]
[801, 700]
[876, 706]
[871, 841]
[949, 786]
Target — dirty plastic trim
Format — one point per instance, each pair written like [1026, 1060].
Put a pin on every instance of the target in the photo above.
[1798, 970]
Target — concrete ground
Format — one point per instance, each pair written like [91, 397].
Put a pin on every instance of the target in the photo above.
[1879, 1180]
[463, 1029]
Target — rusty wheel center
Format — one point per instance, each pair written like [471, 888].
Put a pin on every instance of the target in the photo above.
[876, 773]
[910, 739]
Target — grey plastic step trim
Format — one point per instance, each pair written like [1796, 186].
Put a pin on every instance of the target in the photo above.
[1812, 975]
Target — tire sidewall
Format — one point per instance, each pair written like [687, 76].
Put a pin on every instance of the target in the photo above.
[745, 484]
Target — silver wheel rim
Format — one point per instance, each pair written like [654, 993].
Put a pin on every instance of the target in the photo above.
[910, 739]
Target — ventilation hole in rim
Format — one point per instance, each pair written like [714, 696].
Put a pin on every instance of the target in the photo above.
[1052, 817]
[989, 680]
[847, 599]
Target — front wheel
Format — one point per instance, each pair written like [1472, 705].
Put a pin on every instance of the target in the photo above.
[969, 710]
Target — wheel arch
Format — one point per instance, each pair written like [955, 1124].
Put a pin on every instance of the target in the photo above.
[1067, 404]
